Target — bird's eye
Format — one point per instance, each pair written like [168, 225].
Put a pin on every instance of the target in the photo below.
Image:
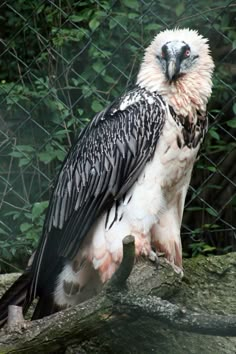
[187, 53]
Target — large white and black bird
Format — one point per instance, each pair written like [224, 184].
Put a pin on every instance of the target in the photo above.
[127, 174]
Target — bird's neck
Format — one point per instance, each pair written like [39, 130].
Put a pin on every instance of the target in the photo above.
[187, 96]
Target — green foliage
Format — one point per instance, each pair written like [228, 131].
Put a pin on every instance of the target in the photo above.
[14, 248]
[201, 248]
[63, 62]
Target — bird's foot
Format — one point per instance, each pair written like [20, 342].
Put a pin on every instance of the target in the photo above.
[159, 257]
[175, 267]
[155, 257]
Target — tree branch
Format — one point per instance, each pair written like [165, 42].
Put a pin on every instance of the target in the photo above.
[15, 316]
[119, 278]
[178, 317]
[135, 304]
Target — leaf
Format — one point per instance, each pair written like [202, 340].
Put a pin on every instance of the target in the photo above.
[16, 154]
[46, 157]
[98, 67]
[211, 168]
[214, 134]
[152, 27]
[210, 226]
[84, 15]
[27, 148]
[112, 23]
[214, 186]
[93, 24]
[25, 227]
[211, 211]
[180, 9]
[120, 20]
[132, 4]
[132, 15]
[38, 209]
[23, 162]
[108, 79]
[231, 123]
[60, 154]
[61, 133]
[96, 106]
[207, 248]
[194, 208]
[3, 232]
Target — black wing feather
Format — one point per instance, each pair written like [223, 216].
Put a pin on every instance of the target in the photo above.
[102, 166]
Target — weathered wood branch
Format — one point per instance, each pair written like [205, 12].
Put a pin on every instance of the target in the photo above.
[188, 305]
[120, 277]
[15, 316]
[74, 325]
[177, 317]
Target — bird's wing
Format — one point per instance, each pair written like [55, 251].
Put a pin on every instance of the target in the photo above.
[103, 164]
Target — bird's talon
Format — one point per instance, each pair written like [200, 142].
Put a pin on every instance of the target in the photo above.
[176, 268]
[160, 254]
[153, 256]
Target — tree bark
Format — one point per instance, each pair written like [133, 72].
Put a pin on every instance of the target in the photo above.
[155, 313]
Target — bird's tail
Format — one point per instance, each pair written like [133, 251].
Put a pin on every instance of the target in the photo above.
[15, 295]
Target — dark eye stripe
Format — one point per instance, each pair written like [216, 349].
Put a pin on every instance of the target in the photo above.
[164, 52]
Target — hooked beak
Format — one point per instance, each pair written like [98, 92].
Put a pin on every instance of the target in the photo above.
[172, 69]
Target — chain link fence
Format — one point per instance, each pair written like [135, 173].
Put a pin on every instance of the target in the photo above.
[63, 61]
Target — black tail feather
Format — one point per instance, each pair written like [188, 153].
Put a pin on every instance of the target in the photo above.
[45, 289]
[21, 294]
[15, 295]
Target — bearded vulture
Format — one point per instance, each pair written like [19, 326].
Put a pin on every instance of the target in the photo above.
[127, 174]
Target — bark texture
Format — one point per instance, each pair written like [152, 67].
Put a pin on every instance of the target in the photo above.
[157, 312]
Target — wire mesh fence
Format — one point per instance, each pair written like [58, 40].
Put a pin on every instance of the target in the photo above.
[63, 61]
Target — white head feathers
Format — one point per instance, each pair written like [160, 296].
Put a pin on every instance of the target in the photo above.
[191, 88]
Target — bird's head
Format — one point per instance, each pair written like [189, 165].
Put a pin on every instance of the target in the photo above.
[176, 59]
[178, 65]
